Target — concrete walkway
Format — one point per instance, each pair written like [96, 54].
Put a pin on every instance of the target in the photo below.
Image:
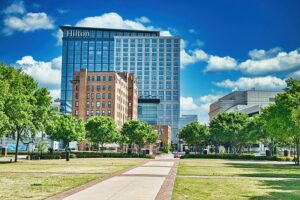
[153, 180]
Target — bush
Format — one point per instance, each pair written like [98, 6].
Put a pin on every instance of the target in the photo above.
[237, 157]
[83, 154]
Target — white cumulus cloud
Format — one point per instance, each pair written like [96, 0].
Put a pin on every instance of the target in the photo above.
[55, 93]
[143, 20]
[48, 74]
[15, 8]
[217, 63]
[270, 83]
[295, 74]
[28, 23]
[274, 60]
[198, 106]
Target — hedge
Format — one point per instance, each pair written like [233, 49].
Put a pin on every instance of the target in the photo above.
[237, 157]
[82, 154]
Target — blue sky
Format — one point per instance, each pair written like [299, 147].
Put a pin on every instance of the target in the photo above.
[226, 45]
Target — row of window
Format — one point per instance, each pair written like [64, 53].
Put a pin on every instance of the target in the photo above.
[98, 88]
[98, 78]
[92, 96]
[146, 40]
[98, 104]
[91, 113]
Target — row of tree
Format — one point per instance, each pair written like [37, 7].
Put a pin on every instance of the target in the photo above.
[25, 110]
[278, 125]
[99, 131]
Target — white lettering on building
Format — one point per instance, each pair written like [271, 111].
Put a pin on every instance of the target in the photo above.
[77, 33]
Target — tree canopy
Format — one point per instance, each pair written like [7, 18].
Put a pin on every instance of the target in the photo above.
[100, 130]
[22, 104]
[66, 128]
[195, 134]
[139, 133]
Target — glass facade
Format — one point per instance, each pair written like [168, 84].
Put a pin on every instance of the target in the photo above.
[148, 110]
[156, 63]
[155, 60]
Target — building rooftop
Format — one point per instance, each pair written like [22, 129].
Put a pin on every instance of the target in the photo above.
[108, 29]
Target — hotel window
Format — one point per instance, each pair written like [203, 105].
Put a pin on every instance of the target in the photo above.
[88, 88]
[92, 104]
[98, 104]
[103, 87]
[109, 78]
[103, 95]
[103, 112]
[76, 104]
[98, 78]
[93, 88]
[88, 95]
[76, 87]
[98, 96]
[76, 96]
[103, 78]
[87, 113]
[103, 104]
[109, 88]
[109, 104]
[108, 113]
[87, 104]
[76, 112]
[98, 112]
[109, 96]
[92, 95]
[92, 112]
[89, 78]
[98, 87]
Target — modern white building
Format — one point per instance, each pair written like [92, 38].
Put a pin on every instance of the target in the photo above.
[249, 102]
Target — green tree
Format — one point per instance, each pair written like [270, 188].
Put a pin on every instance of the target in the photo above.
[227, 128]
[4, 120]
[195, 134]
[101, 130]
[22, 103]
[282, 118]
[42, 146]
[139, 133]
[66, 128]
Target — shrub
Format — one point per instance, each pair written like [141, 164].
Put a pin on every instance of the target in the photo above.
[84, 154]
[237, 157]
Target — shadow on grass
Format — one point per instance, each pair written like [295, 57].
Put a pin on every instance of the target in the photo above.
[287, 189]
[268, 170]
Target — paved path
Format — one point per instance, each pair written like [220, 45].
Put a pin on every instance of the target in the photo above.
[153, 180]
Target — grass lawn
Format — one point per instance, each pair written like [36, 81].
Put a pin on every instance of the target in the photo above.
[46, 178]
[212, 167]
[244, 180]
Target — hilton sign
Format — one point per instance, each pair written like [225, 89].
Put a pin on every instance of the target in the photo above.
[77, 33]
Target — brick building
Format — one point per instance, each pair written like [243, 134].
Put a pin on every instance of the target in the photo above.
[109, 94]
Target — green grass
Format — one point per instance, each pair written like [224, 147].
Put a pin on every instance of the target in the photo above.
[15, 186]
[209, 167]
[45, 178]
[243, 180]
[82, 165]
[211, 189]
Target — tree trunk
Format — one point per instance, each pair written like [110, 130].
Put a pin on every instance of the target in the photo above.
[102, 147]
[17, 145]
[298, 151]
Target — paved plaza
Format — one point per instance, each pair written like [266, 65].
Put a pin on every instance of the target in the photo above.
[152, 180]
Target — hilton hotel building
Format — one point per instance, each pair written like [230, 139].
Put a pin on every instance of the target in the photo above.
[154, 59]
